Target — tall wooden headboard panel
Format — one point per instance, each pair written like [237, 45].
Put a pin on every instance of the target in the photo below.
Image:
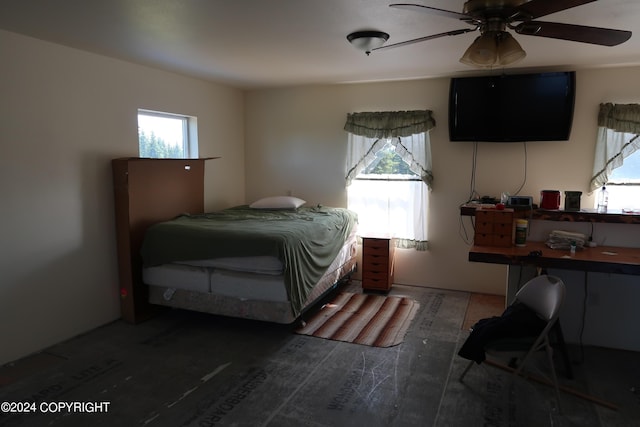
[148, 191]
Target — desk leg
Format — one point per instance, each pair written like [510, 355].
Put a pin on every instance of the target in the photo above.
[563, 350]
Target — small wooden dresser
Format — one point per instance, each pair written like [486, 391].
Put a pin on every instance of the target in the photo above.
[494, 227]
[377, 263]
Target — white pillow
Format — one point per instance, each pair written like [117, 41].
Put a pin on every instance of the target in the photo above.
[278, 202]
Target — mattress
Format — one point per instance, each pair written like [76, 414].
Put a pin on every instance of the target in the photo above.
[248, 307]
[178, 276]
[248, 278]
[253, 264]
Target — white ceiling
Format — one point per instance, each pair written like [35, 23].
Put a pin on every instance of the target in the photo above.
[265, 43]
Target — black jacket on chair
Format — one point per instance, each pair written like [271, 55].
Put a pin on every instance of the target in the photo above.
[517, 321]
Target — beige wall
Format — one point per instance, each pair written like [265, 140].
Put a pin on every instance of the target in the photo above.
[64, 114]
[295, 141]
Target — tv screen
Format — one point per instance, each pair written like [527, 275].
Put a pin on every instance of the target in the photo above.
[512, 108]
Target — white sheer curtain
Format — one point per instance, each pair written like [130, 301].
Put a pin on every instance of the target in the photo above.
[618, 129]
[414, 149]
[397, 206]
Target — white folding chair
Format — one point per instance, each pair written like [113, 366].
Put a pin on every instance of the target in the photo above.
[544, 295]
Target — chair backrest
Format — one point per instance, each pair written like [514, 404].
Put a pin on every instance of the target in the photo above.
[543, 294]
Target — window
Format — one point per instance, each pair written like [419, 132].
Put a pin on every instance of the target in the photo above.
[390, 199]
[623, 185]
[388, 173]
[617, 156]
[166, 135]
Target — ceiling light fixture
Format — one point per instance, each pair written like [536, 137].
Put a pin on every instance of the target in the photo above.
[367, 40]
[509, 50]
[493, 48]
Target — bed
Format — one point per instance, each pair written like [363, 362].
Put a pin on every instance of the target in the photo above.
[262, 261]
[269, 283]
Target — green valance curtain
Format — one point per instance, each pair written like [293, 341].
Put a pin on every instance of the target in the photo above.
[389, 124]
[620, 117]
[618, 131]
[407, 131]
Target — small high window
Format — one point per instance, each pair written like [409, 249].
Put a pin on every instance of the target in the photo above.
[166, 135]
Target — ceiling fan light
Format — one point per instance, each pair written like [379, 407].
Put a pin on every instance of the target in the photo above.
[466, 57]
[509, 50]
[482, 52]
[367, 40]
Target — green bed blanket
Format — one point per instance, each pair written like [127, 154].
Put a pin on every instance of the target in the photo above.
[306, 241]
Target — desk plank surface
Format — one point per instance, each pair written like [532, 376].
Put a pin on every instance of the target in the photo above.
[604, 259]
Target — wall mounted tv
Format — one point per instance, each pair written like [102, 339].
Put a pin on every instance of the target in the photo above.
[512, 108]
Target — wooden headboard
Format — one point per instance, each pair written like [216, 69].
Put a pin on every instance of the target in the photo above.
[148, 191]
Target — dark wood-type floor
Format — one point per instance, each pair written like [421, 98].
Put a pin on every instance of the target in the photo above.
[191, 369]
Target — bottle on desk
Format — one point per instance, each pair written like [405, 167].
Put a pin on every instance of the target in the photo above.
[521, 232]
[603, 200]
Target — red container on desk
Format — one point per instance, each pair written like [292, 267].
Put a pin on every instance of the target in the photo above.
[549, 199]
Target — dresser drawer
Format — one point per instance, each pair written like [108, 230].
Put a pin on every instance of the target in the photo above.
[376, 249]
[503, 228]
[377, 263]
[483, 239]
[484, 227]
[377, 268]
[376, 284]
[484, 215]
[502, 240]
[503, 218]
[373, 274]
[367, 258]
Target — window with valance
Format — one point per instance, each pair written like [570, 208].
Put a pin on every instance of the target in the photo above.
[617, 154]
[388, 173]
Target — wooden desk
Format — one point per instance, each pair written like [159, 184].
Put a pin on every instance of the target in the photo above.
[602, 259]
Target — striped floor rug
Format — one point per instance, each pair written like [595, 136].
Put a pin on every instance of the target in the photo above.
[374, 320]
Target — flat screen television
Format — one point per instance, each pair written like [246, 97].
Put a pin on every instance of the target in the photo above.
[512, 108]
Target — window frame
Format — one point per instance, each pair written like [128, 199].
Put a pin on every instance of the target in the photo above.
[189, 130]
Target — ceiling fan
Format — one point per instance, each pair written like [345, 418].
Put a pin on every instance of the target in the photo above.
[496, 46]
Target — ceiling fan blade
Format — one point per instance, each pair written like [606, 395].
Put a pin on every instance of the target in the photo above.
[432, 11]
[536, 8]
[576, 33]
[422, 39]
